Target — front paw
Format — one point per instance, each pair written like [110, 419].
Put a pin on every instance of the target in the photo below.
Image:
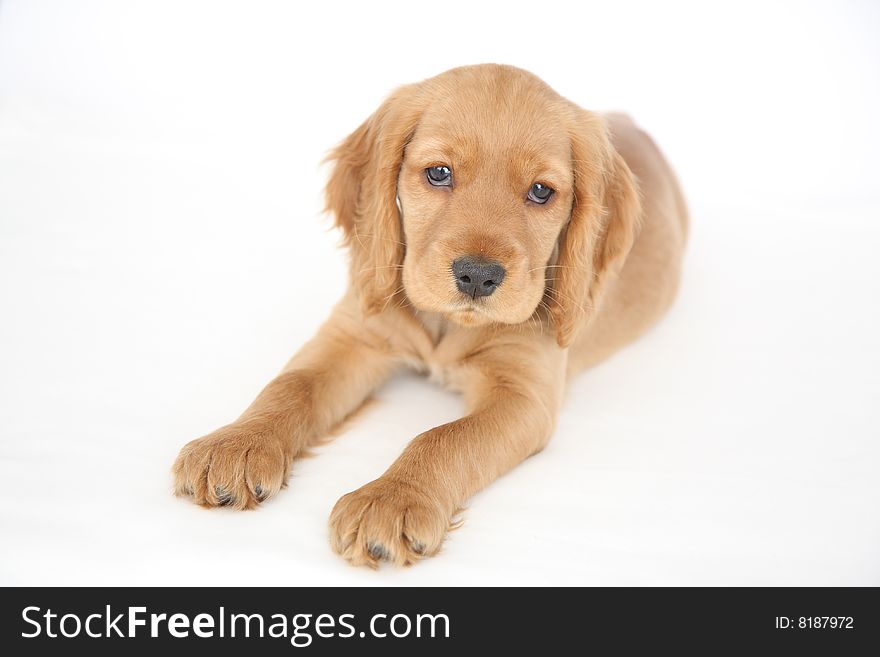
[238, 466]
[387, 520]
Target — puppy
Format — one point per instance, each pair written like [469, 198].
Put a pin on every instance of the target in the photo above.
[500, 238]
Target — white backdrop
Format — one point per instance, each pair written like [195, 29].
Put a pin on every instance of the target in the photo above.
[160, 220]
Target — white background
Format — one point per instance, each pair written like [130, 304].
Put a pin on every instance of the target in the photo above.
[162, 253]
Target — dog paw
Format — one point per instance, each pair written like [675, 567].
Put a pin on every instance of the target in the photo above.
[387, 520]
[237, 466]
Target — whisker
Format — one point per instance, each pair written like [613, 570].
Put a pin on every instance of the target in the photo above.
[567, 297]
[366, 269]
[595, 276]
[381, 237]
[389, 297]
[357, 236]
[549, 266]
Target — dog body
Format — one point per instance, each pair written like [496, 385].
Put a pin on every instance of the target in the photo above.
[502, 240]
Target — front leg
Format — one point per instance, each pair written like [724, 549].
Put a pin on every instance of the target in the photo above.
[513, 390]
[249, 460]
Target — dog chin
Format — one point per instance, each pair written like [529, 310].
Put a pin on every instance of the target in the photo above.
[468, 317]
[480, 316]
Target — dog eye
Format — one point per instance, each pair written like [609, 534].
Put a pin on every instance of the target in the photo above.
[540, 193]
[439, 176]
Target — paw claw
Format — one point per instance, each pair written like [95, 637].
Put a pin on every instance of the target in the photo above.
[377, 551]
[224, 497]
[403, 524]
[217, 470]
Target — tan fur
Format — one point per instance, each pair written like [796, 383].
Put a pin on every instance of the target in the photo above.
[587, 272]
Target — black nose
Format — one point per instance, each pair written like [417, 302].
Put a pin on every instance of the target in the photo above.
[477, 277]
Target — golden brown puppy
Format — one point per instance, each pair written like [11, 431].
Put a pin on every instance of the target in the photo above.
[502, 239]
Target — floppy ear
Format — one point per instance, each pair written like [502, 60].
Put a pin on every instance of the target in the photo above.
[362, 195]
[604, 217]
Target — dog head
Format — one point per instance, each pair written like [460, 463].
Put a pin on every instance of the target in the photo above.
[483, 195]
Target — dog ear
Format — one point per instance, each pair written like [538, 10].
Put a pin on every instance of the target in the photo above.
[362, 195]
[605, 214]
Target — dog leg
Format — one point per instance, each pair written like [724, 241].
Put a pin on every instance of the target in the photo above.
[404, 515]
[245, 462]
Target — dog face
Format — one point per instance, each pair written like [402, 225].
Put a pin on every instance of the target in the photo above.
[483, 195]
[485, 188]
